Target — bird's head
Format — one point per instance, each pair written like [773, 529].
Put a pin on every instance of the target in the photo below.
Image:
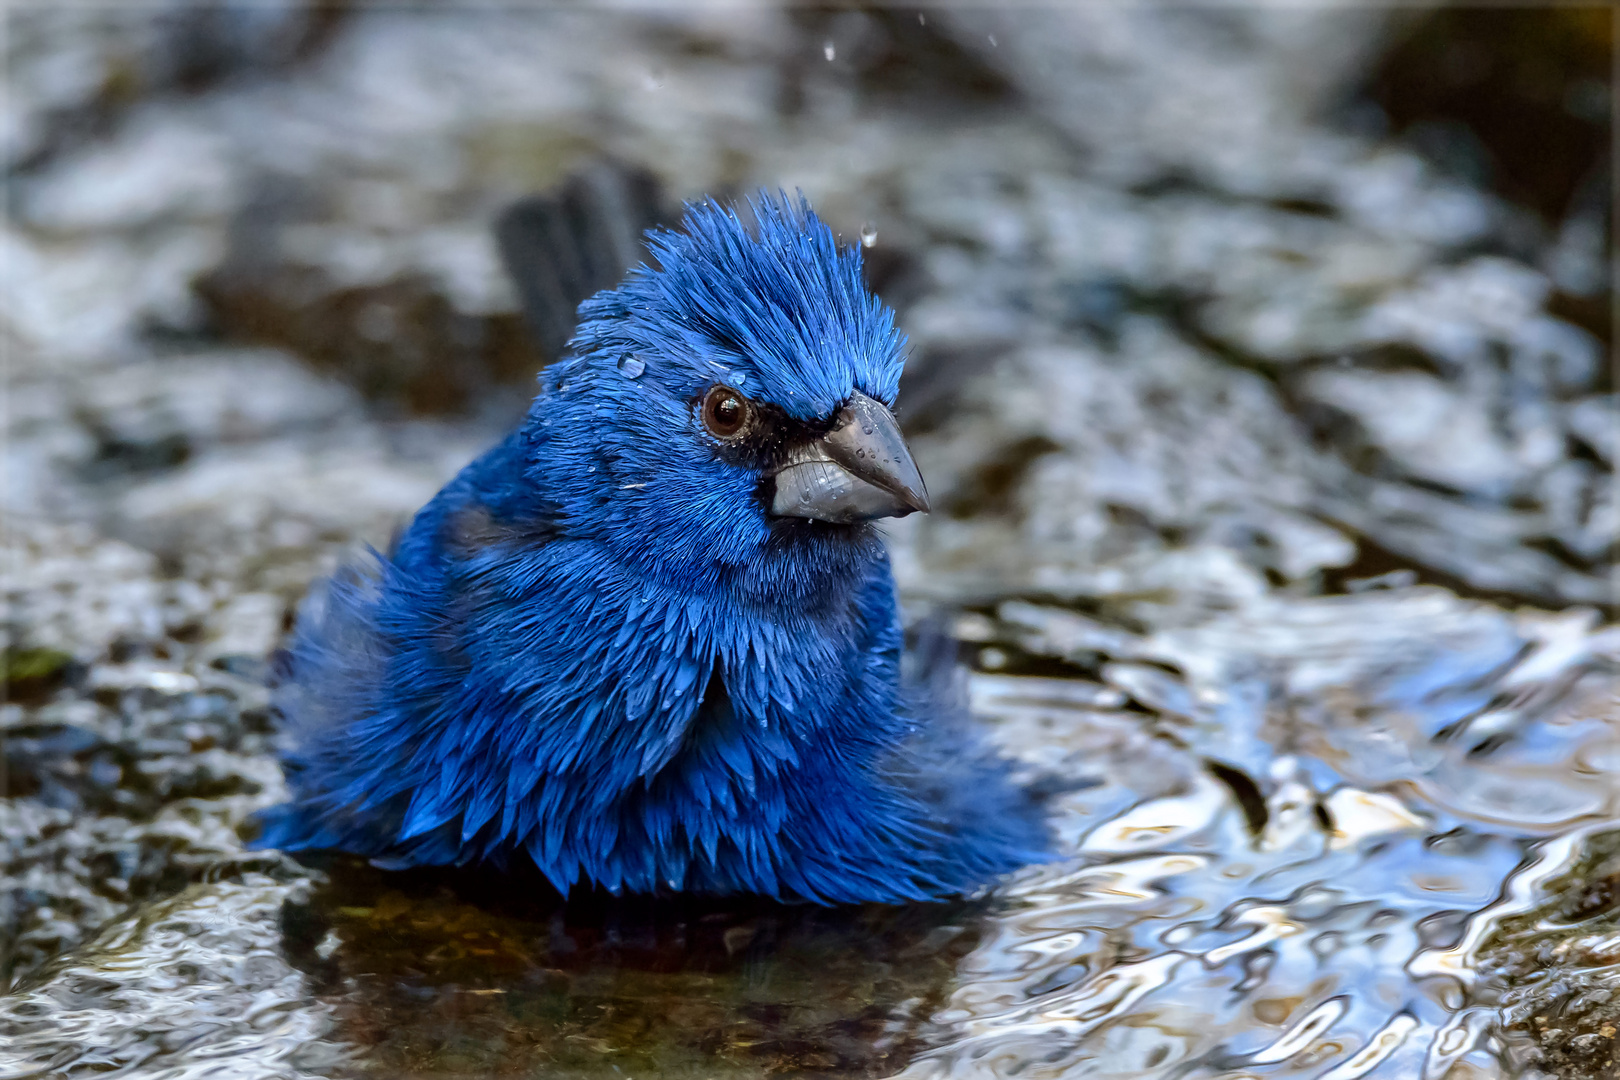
[734, 401]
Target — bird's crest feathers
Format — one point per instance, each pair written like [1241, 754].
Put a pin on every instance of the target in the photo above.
[781, 308]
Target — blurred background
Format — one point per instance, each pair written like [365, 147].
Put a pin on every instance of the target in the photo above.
[1216, 313]
[1305, 295]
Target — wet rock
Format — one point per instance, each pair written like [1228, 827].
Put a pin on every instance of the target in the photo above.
[1517, 104]
[1438, 434]
[72, 592]
[77, 70]
[396, 340]
[106, 807]
[63, 766]
[127, 779]
[31, 674]
[199, 401]
[1137, 71]
[1267, 244]
[1595, 420]
[1245, 371]
[240, 468]
[1556, 965]
[270, 517]
[1108, 489]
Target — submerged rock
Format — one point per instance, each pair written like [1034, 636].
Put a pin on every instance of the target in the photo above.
[1556, 966]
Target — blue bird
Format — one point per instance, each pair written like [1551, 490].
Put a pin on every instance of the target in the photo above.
[650, 641]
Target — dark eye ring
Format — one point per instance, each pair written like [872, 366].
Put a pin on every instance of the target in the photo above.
[725, 412]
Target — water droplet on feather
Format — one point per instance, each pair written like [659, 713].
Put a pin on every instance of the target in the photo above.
[631, 367]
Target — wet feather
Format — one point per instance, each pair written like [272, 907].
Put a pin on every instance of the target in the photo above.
[597, 648]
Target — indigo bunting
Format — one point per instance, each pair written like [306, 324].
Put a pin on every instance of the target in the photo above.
[650, 641]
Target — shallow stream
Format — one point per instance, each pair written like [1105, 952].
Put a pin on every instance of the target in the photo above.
[1273, 455]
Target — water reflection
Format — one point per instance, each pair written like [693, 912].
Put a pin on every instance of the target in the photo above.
[192, 987]
[468, 974]
[1336, 837]
[1305, 827]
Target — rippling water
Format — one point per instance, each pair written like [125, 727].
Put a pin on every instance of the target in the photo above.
[195, 986]
[1296, 847]
[1298, 835]
[1186, 319]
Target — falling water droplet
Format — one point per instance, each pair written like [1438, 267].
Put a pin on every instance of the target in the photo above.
[829, 52]
[868, 235]
[992, 41]
[631, 367]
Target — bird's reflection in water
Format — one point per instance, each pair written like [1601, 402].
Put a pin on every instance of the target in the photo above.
[435, 972]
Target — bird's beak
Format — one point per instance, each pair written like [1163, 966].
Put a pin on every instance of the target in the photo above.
[858, 471]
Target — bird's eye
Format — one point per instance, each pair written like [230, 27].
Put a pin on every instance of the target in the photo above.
[725, 412]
